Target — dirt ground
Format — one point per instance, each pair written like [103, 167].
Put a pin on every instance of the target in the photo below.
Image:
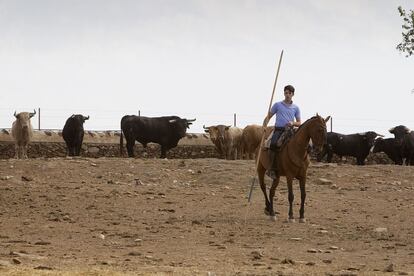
[115, 216]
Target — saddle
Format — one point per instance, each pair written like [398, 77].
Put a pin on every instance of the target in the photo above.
[283, 139]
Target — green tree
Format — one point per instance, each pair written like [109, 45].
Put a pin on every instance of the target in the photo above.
[407, 44]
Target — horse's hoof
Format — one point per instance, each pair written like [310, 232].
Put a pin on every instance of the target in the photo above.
[291, 220]
[273, 218]
[302, 220]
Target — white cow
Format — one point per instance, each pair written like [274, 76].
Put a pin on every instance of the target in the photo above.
[22, 133]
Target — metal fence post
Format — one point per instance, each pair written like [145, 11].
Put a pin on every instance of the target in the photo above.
[331, 123]
[38, 118]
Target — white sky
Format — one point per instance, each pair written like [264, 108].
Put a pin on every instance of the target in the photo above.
[204, 59]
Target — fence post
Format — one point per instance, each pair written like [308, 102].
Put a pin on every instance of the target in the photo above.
[331, 123]
[38, 117]
[234, 119]
[139, 113]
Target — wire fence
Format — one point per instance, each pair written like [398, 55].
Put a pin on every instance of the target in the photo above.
[55, 118]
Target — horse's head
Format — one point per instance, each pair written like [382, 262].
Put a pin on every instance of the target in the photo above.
[317, 132]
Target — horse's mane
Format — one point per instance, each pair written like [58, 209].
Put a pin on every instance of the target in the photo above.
[316, 116]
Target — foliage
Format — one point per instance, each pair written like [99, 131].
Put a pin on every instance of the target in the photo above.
[407, 44]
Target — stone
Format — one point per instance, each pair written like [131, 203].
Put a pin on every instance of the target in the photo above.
[4, 263]
[389, 268]
[381, 230]
[26, 178]
[324, 181]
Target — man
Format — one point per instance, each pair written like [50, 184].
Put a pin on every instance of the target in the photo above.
[287, 114]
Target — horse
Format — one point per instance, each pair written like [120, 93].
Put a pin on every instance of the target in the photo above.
[293, 162]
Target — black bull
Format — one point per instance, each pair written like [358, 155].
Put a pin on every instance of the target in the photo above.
[357, 145]
[73, 133]
[165, 131]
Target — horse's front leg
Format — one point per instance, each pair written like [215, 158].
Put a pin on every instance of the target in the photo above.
[291, 197]
[260, 174]
[302, 184]
[272, 191]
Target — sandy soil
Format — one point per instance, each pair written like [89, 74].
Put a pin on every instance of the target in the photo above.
[191, 217]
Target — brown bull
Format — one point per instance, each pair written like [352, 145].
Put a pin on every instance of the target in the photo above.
[251, 137]
[22, 133]
[227, 140]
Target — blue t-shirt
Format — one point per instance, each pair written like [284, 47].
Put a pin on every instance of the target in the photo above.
[285, 113]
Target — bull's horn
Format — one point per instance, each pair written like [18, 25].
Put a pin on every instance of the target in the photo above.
[205, 127]
[391, 130]
[191, 120]
[15, 114]
[86, 118]
[327, 118]
[32, 114]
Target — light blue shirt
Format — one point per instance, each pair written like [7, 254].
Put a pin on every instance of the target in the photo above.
[285, 113]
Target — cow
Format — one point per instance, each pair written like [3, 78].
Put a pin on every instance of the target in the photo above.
[251, 138]
[390, 147]
[73, 133]
[213, 132]
[165, 131]
[405, 139]
[357, 145]
[227, 140]
[22, 133]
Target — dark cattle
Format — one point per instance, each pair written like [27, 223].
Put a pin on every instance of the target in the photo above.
[391, 148]
[165, 131]
[405, 139]
[22, 133]
[357, 145]
[73, 133]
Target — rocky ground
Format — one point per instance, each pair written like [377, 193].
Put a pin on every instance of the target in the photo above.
[114, 216]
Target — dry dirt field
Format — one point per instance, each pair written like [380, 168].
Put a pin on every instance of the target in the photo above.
[116, 216]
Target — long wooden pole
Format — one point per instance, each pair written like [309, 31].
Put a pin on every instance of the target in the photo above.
[263, 137]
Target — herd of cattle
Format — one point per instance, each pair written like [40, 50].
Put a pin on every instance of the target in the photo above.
[230, 142]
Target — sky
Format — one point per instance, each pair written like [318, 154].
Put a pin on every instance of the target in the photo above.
[204, 59]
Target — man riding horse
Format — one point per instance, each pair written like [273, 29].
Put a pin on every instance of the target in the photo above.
[287, 115]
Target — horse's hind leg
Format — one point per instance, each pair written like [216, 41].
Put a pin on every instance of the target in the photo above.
[291, 197]
[302, 185]
[272, 195]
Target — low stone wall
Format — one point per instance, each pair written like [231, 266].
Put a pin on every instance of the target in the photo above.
[58, 149]
[49, 143]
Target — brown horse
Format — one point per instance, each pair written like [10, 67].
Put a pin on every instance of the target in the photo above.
[293, 162]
